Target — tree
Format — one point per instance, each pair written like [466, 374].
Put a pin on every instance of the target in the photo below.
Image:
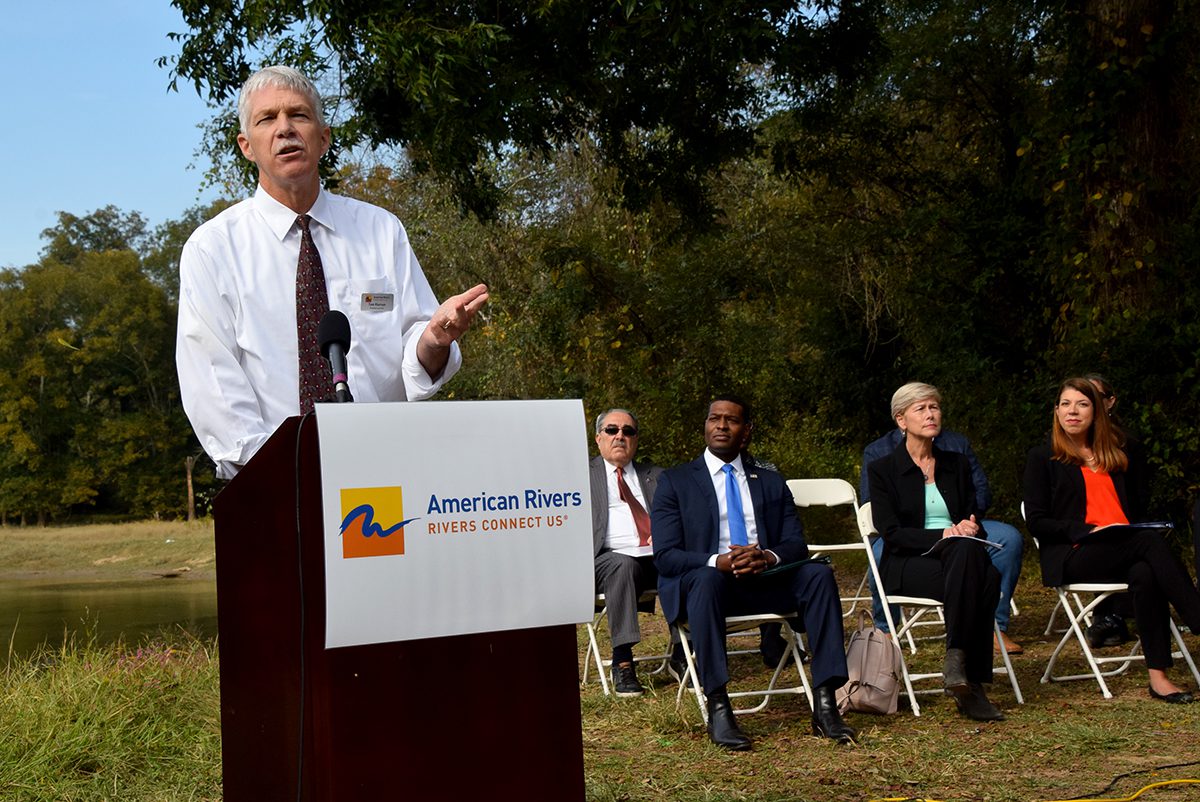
[91, 417]
[665, 90]
[106, 229]
[985, 196]
[163, 246]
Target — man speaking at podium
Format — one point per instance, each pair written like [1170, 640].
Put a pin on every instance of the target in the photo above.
[256, 280]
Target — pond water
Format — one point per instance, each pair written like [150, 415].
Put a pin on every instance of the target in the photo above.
[37, 611]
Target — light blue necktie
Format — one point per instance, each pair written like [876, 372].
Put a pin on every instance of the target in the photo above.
[733, 506]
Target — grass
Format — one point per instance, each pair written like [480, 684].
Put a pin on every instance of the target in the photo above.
[115, 551]
[1066, 741]
[112, 723]
[141, 721]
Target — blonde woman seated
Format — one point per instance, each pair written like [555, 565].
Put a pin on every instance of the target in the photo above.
[1083, 481]
[920, 497]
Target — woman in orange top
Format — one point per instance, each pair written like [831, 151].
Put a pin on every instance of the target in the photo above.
[1082, 481]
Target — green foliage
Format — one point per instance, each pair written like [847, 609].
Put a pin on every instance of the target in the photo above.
[668, 91]
[162, 247]
[91, 418]
[106, 229]
[936, 219]
[986, 197]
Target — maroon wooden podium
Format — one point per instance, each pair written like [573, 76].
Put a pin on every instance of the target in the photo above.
[491, 716]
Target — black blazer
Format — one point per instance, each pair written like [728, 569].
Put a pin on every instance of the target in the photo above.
[1056, 504]
[898, 505]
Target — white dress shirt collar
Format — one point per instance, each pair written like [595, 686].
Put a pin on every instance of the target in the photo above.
[280, 219]
[717, 465]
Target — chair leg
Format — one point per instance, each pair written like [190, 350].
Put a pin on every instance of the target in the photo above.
[1053, 615]
[908, 686]
[1184, 652]
[905, 631]
[791, 656]
[1074, 618]
[594, 648]
[858, 595]
[1008, 668]
[692, 679]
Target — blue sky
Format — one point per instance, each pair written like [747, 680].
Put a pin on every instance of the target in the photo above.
[88, 120]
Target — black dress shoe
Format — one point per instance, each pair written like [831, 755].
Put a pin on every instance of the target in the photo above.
[771, 644]
[677, 668]
[974, 704]
[723, 728]
[1107, 630]
[1177, 698]
[954, 672]
[827, 721]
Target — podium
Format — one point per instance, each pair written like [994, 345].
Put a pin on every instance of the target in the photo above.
[482, 716]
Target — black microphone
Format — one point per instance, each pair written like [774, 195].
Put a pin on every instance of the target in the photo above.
[333, 335]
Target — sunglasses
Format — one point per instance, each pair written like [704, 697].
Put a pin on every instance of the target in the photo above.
[613, 429]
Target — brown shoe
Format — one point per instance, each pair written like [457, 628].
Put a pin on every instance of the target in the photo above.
[1010, 645]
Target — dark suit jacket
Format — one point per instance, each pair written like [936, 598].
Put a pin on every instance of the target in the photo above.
[947, 441]
[686, 524]
[1056, 505]
[647, 475]
[898, 505]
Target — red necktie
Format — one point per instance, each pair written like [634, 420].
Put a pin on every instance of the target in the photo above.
[312, 302]
[640, 519]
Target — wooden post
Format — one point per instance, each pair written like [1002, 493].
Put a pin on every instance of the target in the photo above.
[190, 462]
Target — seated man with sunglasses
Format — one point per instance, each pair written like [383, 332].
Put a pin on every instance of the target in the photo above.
[622, 492]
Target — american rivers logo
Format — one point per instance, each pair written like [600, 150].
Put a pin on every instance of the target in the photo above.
[372, 521]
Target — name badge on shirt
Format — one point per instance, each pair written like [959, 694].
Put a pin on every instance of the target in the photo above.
[377, 301]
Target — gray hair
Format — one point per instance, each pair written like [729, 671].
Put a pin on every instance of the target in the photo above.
[600, 418]
[911, 393]
[280, 76]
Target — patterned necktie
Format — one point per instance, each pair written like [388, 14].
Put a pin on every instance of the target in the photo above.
[733, 508]
[640, 519]
[312, 302]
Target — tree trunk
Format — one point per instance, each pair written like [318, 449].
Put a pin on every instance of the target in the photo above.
[190, 463]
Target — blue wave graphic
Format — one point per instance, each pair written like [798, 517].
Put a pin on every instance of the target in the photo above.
[369, 527]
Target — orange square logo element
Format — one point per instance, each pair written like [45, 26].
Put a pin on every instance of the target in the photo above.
[372, 522]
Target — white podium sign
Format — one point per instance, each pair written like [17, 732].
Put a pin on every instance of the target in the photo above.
[454, 517]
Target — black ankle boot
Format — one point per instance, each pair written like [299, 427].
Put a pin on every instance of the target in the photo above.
[827, 721]
[954, 672]
[975, 705]
[723, 728]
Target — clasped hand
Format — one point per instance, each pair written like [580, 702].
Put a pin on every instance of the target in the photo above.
[744, 560]
[967, 528]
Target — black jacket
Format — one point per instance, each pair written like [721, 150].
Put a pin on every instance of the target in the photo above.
[1056, 504]
[898, 505]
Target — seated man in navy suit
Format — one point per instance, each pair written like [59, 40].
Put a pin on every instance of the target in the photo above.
[717, 528]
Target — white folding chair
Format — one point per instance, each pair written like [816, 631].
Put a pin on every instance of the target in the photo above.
[735, 624]
[833, 493]
[602, 664]
[919, 607]
[1079, 615]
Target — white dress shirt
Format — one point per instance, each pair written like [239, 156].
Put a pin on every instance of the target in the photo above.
[716, 467]
[236, 341]
[622, 530]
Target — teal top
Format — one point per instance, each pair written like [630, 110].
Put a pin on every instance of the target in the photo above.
[937, 514]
